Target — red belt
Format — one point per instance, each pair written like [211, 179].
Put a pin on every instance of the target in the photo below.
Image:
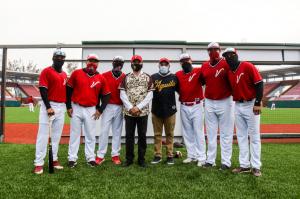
[190, 103]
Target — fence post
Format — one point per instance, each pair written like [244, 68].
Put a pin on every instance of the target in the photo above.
[3, 86]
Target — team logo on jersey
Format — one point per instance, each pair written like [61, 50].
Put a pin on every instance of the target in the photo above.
[218, 72]
[239, 77]
[191, 77]
[94, 84]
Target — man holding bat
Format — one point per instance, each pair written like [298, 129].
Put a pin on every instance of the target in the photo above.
[52, 86]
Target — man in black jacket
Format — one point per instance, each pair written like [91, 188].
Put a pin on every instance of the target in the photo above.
[164, 110]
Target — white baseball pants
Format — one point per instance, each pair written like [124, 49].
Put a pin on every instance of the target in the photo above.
[219, 115]
[43, 132]
[248, 124]
[82, 117]
[193, 131]
[112, 118]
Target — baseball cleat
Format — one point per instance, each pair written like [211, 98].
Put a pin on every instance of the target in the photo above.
[116, 160]
[256, 172]
[241, 170]
[224, 167]
[208, 165]
[92, 163]
[38, 170]
[99, 160]
[156, 160]
[189, 160]
[72, 164]
[57, 165]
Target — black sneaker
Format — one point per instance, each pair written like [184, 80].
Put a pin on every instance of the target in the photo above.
[72, 164]
[208, 165]
[127, 163]
[92, 163]
[142, 164]
[156, 160]
[224, 167]
[256, 172]
[241, 170]
[170, 161]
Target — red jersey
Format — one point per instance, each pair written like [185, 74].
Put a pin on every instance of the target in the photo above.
[113, 83]
[86, 89]
[217, 85]
[242, 81]
[190, 88]
[55, 83]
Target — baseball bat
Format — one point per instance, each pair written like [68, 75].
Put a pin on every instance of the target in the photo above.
[51, 166]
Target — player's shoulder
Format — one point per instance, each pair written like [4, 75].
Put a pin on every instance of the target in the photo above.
[146, 74]
[248, 65]
[178, 73]
[46, 69]
[107, 73]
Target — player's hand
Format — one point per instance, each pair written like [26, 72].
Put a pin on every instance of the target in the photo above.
[257, 110]
[136, 111]
[70, 112]
[50, 112]
[96, 115]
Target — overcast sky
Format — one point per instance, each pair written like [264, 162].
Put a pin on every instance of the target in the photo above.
[49, 22]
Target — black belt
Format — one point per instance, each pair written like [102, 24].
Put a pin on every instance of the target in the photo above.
[243, 101]
[190, 103]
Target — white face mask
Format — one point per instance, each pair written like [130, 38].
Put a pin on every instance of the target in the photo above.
[163, 70]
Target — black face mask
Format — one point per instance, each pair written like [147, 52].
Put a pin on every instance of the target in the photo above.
[233, 62]
[117, 73]
[136, 67]
[57, 64]
[187, 67]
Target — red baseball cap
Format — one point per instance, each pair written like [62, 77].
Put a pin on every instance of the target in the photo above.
[136, 57]
[164, 59]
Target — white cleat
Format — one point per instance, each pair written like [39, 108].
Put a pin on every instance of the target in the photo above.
[189, 160]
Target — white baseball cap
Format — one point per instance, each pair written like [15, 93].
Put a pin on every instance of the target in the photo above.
[118, 58]
[213, 45]
[184, 56]
[229, 50]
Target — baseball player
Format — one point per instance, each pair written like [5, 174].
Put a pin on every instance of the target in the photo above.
[218, 107]
[112, 117]
[191, 110]
[52, 86]
[85, 88]
[164, 110]
[247, 90]
[31, 104]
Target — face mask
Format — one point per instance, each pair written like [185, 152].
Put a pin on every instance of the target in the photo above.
[187, 67]
[232, 61]
[117, 73]
[164, 70]
[136, 67]
[117, 64]
[57, 64]
[91, 68]
[214, 55]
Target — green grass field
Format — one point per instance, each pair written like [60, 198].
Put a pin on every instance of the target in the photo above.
[280, 179]
[278, 116]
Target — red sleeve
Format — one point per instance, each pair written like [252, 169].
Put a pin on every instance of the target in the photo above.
[71, 80]
[254, 74]
[43, 81]
[105, 87]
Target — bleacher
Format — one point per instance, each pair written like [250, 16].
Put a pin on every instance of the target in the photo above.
[269, 87]
[30, 90]
[292, 94]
